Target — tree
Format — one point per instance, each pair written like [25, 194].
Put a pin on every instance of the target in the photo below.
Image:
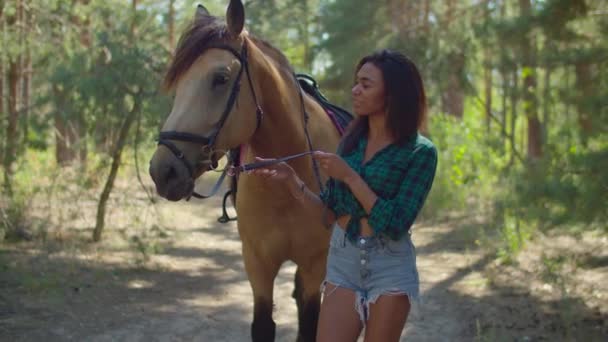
[453, 94]
[528, 45]
[70, 125]
[171, 24]
[15, 60]
[128, 82]
[2, 80]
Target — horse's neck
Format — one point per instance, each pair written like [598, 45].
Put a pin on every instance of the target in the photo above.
[282, 130]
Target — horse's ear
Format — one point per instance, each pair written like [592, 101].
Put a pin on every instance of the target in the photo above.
[235, 16]
[201, 11]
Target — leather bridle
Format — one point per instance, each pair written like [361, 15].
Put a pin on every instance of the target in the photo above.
[166, 138]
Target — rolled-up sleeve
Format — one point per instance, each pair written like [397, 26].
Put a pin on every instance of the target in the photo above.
[327, 195]
[394, 217]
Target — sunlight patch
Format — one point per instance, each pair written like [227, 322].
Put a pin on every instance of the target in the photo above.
[139, 284]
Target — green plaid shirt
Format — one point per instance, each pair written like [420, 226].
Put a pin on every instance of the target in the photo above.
[400, 175]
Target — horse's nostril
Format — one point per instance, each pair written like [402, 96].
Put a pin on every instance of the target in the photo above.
[171, 173]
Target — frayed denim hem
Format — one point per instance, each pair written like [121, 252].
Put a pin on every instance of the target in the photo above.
[363, 302]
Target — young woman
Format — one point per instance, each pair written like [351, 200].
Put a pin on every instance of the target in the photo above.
[379, 180]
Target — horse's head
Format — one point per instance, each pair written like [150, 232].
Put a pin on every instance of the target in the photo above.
[210, 115]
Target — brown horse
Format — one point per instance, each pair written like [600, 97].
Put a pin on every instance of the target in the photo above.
[212, 62]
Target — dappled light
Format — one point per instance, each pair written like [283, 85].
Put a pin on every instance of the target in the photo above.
[512, 241]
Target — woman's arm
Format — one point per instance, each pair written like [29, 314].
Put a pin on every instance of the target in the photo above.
[395, 216]
[389, 216]
[362, 192]
[312, 203]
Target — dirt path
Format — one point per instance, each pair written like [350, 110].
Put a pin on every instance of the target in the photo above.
[195, 289]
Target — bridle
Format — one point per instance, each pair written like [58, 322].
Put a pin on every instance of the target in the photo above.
[166, 138]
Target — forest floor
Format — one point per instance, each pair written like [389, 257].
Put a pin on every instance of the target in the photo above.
[186, 282]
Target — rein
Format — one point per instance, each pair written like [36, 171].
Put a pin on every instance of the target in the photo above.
[166, 138]
[235, 170]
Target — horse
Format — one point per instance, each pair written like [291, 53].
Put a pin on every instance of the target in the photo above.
[236, 91]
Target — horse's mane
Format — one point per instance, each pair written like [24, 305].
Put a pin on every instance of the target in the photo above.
[203, 32]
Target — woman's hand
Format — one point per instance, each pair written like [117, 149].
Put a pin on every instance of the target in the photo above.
[278, 172]
[334, 166]
[281, 172]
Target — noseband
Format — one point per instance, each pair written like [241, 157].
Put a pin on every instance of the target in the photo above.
[166, 138]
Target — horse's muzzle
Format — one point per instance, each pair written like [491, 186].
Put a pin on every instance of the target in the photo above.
[172, 179]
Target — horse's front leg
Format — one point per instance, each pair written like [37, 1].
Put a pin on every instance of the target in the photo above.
[308, 298]
[261, 273]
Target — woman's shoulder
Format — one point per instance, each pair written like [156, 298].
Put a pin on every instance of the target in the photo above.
[425, 150]
[417, 146]
[418, 143]
[423, 142]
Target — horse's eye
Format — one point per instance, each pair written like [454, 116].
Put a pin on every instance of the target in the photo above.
[219, 80]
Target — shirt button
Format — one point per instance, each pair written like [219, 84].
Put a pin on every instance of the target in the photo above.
[362, 241]
[363, 262]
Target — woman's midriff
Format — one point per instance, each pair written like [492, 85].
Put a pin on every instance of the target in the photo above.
[343, 222]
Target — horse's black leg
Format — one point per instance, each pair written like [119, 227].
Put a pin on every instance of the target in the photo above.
[261, 274]
[308, 310]
[263, 327]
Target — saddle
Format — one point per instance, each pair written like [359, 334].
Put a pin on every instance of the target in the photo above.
[338, 115]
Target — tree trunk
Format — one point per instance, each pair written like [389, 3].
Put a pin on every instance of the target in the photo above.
[12, 125]
[14, 98]
[395, 9]
[546, 102]
[504, 76]
[27, 76]
[171, 24]
[487, 76]
[306, 37]
[70, 127]
[116, 155]
[80, 120]
[427, 12]
[584, 91]
[514, 101]
[134, 19]
[79, 123]
[118, 147]
[3, 110]
[529, 90]
[453, 95]
[449, 13]
[507, 89]
[64, 154]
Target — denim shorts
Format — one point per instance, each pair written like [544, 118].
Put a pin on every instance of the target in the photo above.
[371, 267]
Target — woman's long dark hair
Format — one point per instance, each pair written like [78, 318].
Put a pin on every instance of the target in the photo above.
[405, 99]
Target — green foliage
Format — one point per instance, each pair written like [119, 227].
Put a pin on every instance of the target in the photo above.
[148, 243]
[13, 218]
[97, 85]
[565, 189]
[482, 168]
[552, 267]
[469, 165]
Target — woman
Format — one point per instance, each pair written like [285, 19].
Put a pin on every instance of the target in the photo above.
[378, 182]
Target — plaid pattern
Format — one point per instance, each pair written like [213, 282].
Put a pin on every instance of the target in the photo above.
[400, 175]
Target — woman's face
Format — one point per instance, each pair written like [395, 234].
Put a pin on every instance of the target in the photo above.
[368, 94]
